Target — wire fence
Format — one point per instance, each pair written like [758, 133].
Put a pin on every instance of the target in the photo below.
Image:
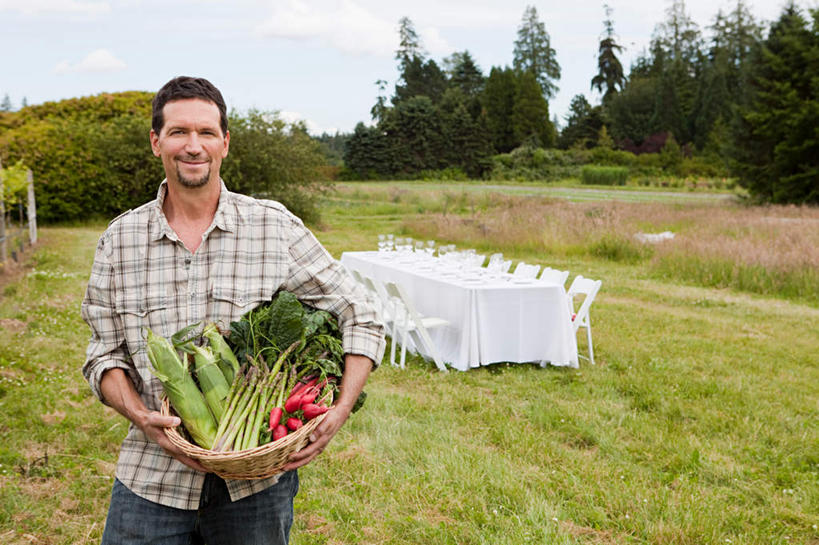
[18, 224]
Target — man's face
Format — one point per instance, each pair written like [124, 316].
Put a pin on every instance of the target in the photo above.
[191, 143]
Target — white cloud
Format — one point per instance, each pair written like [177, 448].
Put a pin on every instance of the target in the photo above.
[312, 127]
[345, 25]
[97, 61]
[41, 7]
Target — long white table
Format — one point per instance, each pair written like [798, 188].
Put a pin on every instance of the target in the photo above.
[492, 319]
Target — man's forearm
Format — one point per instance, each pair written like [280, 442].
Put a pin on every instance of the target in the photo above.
[356, 371]
[119, 392]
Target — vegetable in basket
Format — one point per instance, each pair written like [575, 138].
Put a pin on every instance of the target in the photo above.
[183, 394]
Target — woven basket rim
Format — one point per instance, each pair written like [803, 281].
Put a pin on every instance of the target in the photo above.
[223, 462]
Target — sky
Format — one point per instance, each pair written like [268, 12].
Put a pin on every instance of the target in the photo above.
[310, 60]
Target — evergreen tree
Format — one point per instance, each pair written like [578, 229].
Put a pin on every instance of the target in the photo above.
[530, 113]
[499, 101]
[583, 124]
[6, 105]
[775, 146]
[420, 78]
[367, 153]
[533, 53]
[379, 108]
[467, 139]
[409, 44]
[464, 73]
[609, 70]
[678, 61]
[24, 103]
[413, 130]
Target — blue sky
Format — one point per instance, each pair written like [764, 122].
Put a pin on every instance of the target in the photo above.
[313, 60]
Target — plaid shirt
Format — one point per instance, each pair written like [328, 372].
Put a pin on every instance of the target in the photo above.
[144, 277]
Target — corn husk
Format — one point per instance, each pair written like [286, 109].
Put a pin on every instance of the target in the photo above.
[181, 389]
[226, 360]
[211, 380]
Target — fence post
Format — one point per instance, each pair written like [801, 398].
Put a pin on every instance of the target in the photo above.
[31, 209]
[3, 251]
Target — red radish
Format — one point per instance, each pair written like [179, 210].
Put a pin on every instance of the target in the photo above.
[308, 398]
[279, 432]
[294, 423]
[311, 410]
[275, 417]
[294, 401]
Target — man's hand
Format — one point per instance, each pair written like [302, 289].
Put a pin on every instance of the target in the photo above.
[152, 424]
[119, 392]
[333, 421]
[356, 370]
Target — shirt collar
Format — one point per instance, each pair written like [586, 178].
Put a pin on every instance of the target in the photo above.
[224, 218]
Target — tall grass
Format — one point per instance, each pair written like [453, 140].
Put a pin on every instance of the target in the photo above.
[767, 250]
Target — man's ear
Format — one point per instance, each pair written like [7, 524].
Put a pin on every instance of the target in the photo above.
[154, 143]
[227, 144]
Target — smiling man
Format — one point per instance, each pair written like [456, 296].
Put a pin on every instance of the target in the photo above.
[200, 253]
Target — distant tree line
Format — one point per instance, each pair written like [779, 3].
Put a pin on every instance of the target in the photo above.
[742, 99]
[91, 156]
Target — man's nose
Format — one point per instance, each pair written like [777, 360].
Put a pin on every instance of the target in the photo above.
[193, 146]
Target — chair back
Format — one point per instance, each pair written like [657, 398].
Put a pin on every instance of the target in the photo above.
[554, 276]
[588, 288]
[525, 270]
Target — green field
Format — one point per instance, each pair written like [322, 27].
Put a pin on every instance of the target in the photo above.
[698, 425]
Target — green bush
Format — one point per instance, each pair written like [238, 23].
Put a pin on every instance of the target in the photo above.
[600, 175]
[91, 157]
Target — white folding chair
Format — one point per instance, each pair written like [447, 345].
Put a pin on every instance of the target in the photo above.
[581, 318]
[407, 322]
[495, 260]
[383, 302]
[477, 260]
[357, 275]
[525, 270]
[554, 276]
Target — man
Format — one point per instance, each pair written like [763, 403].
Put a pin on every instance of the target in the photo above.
[201, 253]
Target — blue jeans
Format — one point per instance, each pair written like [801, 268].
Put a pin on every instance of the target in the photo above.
[261, 519]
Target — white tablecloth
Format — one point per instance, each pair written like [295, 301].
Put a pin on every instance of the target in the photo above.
[492, 319]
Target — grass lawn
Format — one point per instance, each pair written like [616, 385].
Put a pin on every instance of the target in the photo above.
[697, 425]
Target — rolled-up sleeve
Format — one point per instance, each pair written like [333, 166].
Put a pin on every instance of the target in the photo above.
[321, 281]
[106, 349]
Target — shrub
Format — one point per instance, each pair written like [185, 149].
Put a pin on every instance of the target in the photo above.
[600, 175]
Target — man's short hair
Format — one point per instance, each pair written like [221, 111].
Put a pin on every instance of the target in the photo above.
[184, 87]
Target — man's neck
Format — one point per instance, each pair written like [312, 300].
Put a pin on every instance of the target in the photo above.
[190, 210]
[191, 204]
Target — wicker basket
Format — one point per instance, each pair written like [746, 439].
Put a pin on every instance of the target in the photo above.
[256, 463]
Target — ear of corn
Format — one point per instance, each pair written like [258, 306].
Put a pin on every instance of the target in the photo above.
[226, 360]
[181, 389]
[211, 380]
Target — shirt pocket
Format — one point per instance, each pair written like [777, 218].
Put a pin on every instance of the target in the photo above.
[231, 302]
[142, 308]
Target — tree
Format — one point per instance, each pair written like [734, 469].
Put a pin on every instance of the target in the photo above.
[413, 130]
[583, 124]
[6, 105]
[367, 153]
[775, 146]
[379, 108]
[609, 70]
[464, 73]
[533, 53]
[420, 78]
[499, 101]
[530, 114]
[467, 139]
[409, 44]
